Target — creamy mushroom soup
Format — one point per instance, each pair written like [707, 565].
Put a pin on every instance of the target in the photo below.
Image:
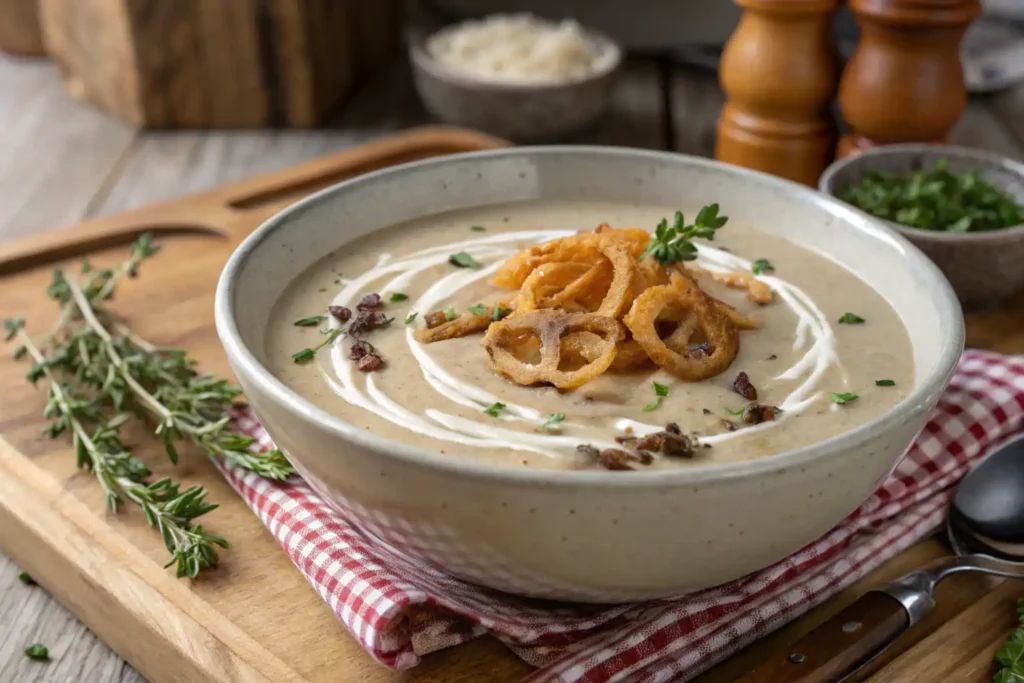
[827, 353]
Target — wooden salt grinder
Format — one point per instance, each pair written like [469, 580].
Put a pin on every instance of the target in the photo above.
[904, 82]
[779, 71]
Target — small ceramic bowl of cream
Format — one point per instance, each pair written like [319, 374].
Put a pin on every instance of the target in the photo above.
[517, 76]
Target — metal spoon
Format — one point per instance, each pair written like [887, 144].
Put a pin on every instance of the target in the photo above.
[986, 531]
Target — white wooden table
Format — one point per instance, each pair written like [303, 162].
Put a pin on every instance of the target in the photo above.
[61, 162]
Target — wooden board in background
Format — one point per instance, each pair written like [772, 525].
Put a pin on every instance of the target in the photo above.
[256, 619]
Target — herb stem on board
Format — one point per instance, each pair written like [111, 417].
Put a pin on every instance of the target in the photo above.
[195, 404]
[122, 476]
[1010, 656]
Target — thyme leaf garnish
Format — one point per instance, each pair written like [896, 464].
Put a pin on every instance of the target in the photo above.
[307, 354]
[851, 319]
[671, 244]
[551, 424]
[660, 392]
[463, 260]
[311, 321]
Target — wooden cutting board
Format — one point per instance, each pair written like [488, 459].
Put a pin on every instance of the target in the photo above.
[255, 619]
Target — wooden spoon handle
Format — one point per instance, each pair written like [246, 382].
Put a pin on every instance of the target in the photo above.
[839, 646]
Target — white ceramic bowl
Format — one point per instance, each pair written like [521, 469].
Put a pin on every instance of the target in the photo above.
[589, 536]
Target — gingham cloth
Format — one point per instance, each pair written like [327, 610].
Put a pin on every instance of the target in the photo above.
[398, 609]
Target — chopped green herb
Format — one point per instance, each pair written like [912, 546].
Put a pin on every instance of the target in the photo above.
[450, 314]
[495, 409]
[1011, 655]
[463, 260]
[851, 319]
[935, 199]
[671, 244]
[37, 652]
[311, 321]
[736, 412]
[842, 398]
[398, 296]
[307, 354]
[762, 266]
[660, 392]
[552, 422]
[479, 309]
[499, 313]
[884, 383]
[409, 318]
[477, 228]
[26, 579]
[12, 326]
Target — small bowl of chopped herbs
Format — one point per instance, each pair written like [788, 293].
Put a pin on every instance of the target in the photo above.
[963, 207]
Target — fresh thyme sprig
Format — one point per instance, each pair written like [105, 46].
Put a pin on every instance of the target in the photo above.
[121, 475]
[671, 244]
[182, 401]
[1011, 655]
[100, 374]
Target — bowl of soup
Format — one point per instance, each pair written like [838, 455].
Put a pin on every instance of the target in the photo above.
[587, 373]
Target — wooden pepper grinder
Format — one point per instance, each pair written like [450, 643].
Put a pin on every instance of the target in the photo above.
[779, 72]
[904, 82]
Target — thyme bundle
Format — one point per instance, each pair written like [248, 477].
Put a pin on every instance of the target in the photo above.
[100, 375]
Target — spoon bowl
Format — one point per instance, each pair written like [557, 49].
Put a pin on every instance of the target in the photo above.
[990, 499]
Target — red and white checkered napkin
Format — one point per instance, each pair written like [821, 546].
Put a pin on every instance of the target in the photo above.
[373, 588]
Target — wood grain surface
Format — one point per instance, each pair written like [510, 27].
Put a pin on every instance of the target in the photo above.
[200, 64]
[62, 163]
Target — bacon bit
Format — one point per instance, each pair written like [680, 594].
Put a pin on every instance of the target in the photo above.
[671, 443]
[729, 425]
[772, 357]
[367, 320]
[435, 319]
[742, 386]
[645, 458]
[369, 301]
[360, 349]
[615, 459]
[370, 362]
[625, 440]
[340, 313]
[588, 451]
[756, 413]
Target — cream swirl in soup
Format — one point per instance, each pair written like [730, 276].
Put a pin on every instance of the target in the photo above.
[814, 376]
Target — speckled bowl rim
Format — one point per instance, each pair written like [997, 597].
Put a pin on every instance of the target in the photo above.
[827, 180]
[935, 290]
[421, 57]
